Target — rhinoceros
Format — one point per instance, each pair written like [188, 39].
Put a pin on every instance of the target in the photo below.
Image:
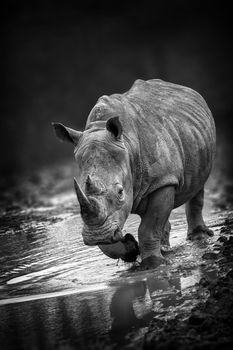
[145, 151]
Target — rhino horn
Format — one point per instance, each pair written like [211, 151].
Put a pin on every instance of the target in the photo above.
[91, 186]
[82, 198]
[91, 210]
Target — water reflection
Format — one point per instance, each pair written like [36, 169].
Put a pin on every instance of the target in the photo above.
[77, 320]
[134, 304]
[121, 308]
[45, 324]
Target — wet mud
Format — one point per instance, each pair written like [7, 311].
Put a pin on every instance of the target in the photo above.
[57, 293]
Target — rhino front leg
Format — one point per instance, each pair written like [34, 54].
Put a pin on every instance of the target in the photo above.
[197, 228]
[153, 221]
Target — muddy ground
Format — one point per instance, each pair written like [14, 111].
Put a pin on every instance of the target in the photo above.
[210, 323]
[55, 293]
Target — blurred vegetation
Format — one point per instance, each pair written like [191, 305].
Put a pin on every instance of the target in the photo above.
[58, 59]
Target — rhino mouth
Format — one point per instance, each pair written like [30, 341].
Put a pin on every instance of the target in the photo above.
[105, 234]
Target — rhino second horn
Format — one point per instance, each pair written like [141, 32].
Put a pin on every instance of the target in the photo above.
[91, 187]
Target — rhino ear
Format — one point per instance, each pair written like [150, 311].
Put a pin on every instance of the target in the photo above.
[114, 126]
[65, 134]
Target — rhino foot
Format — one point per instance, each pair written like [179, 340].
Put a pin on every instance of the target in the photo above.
[151, 262]
[200, 233]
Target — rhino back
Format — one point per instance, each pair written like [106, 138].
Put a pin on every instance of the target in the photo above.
[177, 135]
[160, 101]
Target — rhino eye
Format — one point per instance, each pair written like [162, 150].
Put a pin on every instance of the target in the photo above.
[120, 190]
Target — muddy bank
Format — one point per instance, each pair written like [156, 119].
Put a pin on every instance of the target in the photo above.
[210, 324]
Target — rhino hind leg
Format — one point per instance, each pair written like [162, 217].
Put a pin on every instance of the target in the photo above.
[197, 228]
[165, 242]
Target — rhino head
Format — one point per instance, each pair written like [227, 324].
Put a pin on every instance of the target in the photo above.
[103, 183]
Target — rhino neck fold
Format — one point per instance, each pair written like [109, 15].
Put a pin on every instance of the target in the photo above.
[136, 170]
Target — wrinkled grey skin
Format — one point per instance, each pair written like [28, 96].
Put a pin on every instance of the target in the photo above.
[146, 151]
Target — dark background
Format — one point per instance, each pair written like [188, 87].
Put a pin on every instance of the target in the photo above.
[59, 58]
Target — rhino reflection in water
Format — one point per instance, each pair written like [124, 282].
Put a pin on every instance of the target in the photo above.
[146, 151]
